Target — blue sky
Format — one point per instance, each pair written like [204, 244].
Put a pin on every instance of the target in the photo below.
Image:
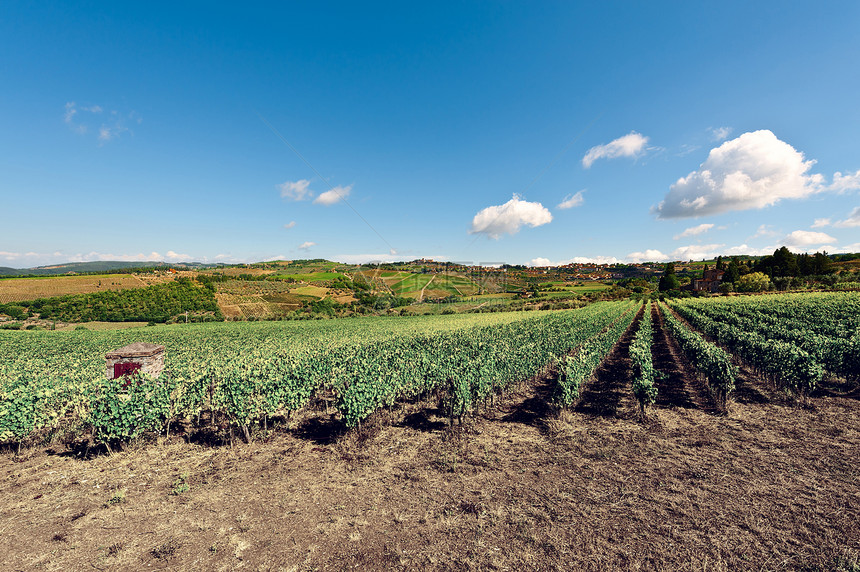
[483, 132]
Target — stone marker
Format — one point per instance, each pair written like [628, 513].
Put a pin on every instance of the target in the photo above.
[148, 358]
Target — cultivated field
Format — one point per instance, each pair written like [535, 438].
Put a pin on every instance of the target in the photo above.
[741, 463]
[21, 289]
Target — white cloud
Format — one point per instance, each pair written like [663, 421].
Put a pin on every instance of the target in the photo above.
[806, 238]
[697, 251]
[630, 145]
[78, 118]
[821, 222]
[153, 256]
[290, 224]
[842, 183]
[720, 133]
[366, 258]
[10, 255]
[850, 222]
[296, 190]
[541, 261]
[333, 196]
[753, 171]
[571, 201]
[849, 248]
[494, 221]
[687, 149]
[745, 249]
[175, 257]
[140, 257]
[307, 245]
[764, 230]
[647, 256]
[70, 112]
[695, 230]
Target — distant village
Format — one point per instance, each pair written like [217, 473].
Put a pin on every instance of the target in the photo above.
[573, 271]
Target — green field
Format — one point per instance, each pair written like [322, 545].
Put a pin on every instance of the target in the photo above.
[243, 371]
[435, 285]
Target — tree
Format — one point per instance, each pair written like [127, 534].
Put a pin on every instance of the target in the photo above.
[753, 282]
[669, 281]
[733, 272]
[782, 263]
[720, 264]
[821, 264]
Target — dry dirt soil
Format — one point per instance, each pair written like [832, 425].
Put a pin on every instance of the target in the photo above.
[772, 485]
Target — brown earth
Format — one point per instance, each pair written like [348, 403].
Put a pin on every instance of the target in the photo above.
[772, 485]
[24, 289]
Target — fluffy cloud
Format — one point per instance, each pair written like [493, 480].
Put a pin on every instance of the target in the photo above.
[333, 196]
[745, 249]
[494, 221]
[175, 257]
[697, 251]
[764, 230]
[695, 230]
[720, 133]
[821, 222]
[541, 261]
[153, 256]
[852, 220]
[807, 238]
[647, 256]
[307, 245]
[849, 248]
[630, 145]
[842, 183]
[296, 190]
[572, 201]
[371, 258]
[290, 225]
[753, 171]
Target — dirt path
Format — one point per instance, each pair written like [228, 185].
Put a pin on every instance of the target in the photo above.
[682, 386]
[421, 295]
[610, 393]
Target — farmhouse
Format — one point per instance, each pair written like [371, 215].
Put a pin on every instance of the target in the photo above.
[148, 358]
[710, 281]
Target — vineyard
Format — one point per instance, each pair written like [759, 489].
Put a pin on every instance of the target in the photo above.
[245, 374]
[589, 416]
[21, 289]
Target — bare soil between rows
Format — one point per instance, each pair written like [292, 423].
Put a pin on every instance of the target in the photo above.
[769, 486]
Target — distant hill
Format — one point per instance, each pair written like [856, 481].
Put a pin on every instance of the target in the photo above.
[97, 266]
